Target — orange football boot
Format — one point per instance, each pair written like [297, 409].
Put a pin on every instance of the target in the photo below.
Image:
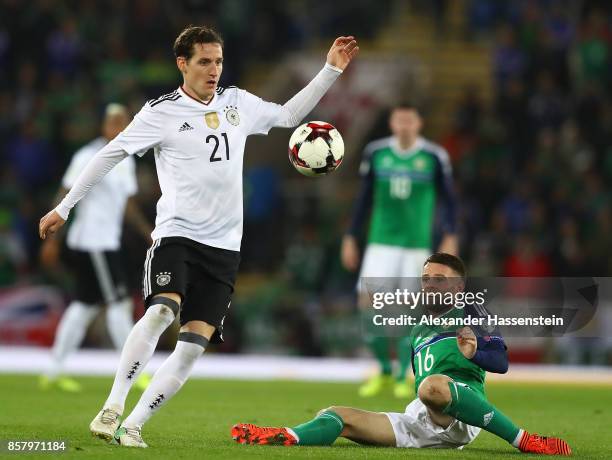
[247, 433]
[536, 444]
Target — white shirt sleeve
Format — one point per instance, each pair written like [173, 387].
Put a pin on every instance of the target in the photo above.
[144, 132]
[266, 115]
[96, 169]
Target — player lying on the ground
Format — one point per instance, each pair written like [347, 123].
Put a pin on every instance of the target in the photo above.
[451, 407]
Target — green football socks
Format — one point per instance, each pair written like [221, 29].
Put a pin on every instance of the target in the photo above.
[380, 349]
[404, 356]
[323, 430]
[472, 408]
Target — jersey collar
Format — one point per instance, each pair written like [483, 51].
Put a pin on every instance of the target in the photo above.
[192, 100]
[414, 148]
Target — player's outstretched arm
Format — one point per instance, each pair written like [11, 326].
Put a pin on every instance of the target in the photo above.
[96, 169]
[290, 114]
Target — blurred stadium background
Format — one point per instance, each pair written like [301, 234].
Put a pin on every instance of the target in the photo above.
[517, 91]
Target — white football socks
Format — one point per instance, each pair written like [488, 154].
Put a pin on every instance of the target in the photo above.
[168, 379]
[70, 333]
[119, 321]
[137, 351]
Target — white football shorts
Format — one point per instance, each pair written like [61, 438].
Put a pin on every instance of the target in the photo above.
[396, 266]
[414, 428]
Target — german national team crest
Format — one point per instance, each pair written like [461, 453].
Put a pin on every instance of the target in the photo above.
[163, 278]
[212, 120]
[231, 113]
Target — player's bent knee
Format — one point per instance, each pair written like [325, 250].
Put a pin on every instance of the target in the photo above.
[199, 327]
[159, 316]
[345, 413]
[169, 304]
[192, 337]
[434, 391]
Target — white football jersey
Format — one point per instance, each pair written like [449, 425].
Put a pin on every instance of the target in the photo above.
[199, 150]
[99, 216]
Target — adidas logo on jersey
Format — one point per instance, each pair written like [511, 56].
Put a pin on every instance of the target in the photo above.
[186, 127]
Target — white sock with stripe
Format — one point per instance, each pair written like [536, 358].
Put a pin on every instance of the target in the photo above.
[138, 349]
[70, 332]
[169, 378]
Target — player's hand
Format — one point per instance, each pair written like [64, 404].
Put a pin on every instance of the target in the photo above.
[466, 341]
[49, 253]
[350, 253]
[342, 51]
[50, 224]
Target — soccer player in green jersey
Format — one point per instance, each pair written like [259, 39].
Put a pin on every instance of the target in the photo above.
[451, 407]
[404, 177]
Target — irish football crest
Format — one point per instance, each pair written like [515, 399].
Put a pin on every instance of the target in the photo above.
[231, 114]
[419, 164]
[163, 278]
[212, 120]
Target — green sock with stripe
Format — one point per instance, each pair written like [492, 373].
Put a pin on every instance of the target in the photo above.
[323, 430]
[472, 408]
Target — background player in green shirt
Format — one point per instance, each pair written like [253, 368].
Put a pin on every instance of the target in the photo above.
[405, 176]
[451, 407]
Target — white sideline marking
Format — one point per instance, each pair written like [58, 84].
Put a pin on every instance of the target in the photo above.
[32, 360]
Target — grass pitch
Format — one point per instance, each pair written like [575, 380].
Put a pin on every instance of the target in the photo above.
[196, 423]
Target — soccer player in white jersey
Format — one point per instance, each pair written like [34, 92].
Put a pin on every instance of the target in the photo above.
[94, 240]
[198, 134]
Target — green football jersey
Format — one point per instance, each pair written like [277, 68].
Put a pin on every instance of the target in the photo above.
[405, 187]
[435, 351]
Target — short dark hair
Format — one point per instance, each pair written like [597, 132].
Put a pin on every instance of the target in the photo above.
[449, 260]
[183, 45]
[406, 105]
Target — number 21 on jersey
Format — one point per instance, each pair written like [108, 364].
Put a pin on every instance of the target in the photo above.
[215, 139]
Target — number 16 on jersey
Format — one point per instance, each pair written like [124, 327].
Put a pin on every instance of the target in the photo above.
[424, 363]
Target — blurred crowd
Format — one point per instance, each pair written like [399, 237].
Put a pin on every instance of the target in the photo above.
[533, 167]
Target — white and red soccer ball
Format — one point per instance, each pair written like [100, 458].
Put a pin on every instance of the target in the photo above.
[316, 148]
